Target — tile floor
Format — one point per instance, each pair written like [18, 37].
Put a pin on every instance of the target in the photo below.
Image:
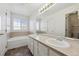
[21, 51]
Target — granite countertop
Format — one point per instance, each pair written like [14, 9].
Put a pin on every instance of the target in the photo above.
[72, 50]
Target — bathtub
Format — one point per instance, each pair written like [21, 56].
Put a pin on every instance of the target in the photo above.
[17, 42]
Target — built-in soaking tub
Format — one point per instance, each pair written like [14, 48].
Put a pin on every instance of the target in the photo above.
[17, 42]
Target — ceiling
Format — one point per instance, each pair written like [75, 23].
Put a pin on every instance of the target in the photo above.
[28, 9]
[21, 8]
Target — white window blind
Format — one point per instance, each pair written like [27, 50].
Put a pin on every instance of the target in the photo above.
[16, 24]
[20, 24]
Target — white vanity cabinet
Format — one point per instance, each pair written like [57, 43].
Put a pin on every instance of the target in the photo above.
[53, 52]
[35, 48]
[3, 44]
[30, 45]
[42, 50]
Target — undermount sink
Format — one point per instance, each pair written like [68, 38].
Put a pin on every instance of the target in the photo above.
[58, 43]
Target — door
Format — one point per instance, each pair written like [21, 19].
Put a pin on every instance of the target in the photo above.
[35, 48]
[42, 50]
[71, 23]
[30, 45]
[55, 53]
[3, 44]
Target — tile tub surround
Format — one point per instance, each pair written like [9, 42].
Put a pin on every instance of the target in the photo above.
[73, 50]
[14, 34]
[20, 51]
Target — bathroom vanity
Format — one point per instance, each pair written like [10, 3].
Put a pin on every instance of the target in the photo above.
[39, 46]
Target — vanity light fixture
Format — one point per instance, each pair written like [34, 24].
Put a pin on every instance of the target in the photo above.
[46, 7]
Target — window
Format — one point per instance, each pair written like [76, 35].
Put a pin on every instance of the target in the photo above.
[19, 24]
[16, 24]
[24, 24]
[37, 25]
